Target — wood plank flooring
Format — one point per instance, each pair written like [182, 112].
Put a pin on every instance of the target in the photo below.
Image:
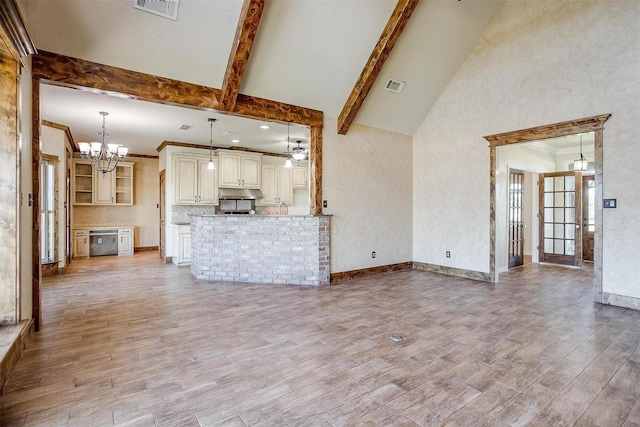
[130, 341]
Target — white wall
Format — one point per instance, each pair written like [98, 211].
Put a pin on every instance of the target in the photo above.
[539, 62]
[367, 185]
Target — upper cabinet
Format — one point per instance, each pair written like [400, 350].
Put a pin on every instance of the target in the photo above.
[194, 183]
[91, 187]
[300, 177]
[276, 185]
[239, 170]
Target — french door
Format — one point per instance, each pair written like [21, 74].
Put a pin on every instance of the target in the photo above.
[516, 224]
[560, 218]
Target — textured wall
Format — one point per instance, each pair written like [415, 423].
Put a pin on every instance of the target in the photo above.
[539, 62]
[367, 185]
[8, 188]
[143, 214]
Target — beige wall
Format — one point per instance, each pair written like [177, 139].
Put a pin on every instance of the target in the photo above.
[367, 185]
[539, 62]
[144, 214]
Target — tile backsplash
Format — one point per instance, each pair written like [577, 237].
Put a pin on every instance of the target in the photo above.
[180, 213]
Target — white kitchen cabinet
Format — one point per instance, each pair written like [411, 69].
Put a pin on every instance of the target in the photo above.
[300, 177]
[125, 241]
[104, 188]
[276, 185]
[82, 183]
[239, 170]
[181, 245]
[80, 243]
[91, 187]
[194, 183]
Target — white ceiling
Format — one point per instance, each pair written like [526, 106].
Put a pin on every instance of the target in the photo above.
[307, 52]
[143, 126]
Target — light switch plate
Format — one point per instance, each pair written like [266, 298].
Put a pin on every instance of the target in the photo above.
[609, 203]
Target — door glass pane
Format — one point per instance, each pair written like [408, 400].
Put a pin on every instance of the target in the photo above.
[558, 215]
[548, 214]
[570, 183]
[548, 246]
[570, 215]
[548, 199]
[558, 246]
[559, 183]
[570, 199]
[548, 229]
[570, 247]
[548, 184]
[570, 231]
[558, 231]
[559, 200]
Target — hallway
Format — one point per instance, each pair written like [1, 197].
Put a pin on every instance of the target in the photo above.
[131, 341]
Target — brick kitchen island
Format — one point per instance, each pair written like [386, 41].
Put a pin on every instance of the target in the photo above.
[282, 249]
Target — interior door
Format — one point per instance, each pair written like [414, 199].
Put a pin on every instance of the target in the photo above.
[516, 224]
[588, 216]
[560, 218]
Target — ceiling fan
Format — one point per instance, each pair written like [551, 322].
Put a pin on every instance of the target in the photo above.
[299, 153]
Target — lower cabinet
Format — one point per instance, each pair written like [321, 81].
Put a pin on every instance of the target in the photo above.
[125, 241]
[181, 245]
[97, 241]
[80, 243]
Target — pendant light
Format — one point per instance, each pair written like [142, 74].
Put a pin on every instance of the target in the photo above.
[102, 156]
[580, 164]
[211, 165]
[287, 163]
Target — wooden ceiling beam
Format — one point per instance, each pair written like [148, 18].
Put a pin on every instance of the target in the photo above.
[81, 74]
[371, 70]
[240, 52]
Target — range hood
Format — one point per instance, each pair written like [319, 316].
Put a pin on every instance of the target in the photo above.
[239, 194]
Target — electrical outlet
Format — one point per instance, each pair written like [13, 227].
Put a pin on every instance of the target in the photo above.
[373, 254]
[448, 254]
[324, 203]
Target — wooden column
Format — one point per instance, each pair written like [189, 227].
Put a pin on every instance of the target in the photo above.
[35, 207]
[315, 169]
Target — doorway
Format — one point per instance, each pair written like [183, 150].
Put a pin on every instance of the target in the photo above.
[593, 124]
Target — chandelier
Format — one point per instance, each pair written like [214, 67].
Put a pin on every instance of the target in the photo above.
[103, 157]
[580, 164]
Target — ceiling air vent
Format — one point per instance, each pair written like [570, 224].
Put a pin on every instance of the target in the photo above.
[394, 85]
[185, 127]
[165, 8]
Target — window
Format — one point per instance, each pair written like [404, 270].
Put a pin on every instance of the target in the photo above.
[48, 192]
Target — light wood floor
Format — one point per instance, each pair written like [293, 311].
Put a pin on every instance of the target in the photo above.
[130, 341]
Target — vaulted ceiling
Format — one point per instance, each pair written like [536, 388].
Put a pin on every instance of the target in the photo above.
[306, 52]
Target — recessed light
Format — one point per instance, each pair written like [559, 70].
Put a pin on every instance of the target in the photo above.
[227, 133]
[264, 127]
[235, 140]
